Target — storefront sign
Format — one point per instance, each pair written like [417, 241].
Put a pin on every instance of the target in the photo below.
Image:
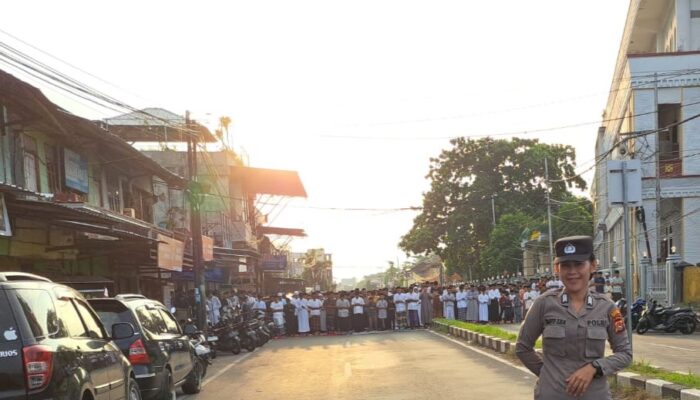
[207, 248]
[76, 168]
[5, 229]
[274, 263]
[170, 253]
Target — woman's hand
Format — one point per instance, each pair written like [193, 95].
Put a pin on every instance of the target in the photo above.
[577, 383]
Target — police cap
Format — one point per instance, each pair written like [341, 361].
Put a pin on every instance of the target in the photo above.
[573, 248]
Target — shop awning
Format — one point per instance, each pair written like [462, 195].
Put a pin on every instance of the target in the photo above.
[272, 230]
[275, 182]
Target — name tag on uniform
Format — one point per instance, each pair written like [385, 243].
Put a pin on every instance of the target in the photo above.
[554, 321]
[603, 323]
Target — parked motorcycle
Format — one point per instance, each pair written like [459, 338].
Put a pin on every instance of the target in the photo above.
[655, 317]
[227, 337]
[637, 308]
[201, 346]
[249, 338]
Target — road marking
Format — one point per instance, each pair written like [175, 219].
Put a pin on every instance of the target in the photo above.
[348, 370]
[484, 353]
[671, 347]
[218, 374]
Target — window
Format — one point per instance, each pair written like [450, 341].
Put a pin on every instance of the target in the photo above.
[151, 320]
[113, 197]
[39, 310]
[52, 170]
[31, 164]
[170, 323]
[669, 144]
[69, 320]
[94, 329]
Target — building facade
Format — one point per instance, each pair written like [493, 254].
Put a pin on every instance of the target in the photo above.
[651, 115]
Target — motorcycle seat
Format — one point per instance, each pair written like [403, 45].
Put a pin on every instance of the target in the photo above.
[674, 310]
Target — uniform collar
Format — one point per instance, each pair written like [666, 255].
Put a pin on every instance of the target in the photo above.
[564, 299]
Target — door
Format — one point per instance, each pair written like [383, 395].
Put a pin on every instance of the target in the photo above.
[88, 350]
[109, 353]
[181, 343]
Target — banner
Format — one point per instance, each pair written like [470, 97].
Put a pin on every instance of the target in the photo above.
[274, 263]
[170, 253]
[207, 248]
[76, 170]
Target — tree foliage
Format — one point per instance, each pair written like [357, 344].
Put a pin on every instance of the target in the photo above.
[456, 220]
[504, 250]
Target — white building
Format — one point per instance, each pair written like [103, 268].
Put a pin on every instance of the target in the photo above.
[656, 83]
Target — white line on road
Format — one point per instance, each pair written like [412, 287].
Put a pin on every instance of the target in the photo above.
[484, 353]
[672, 347]
[218, 374]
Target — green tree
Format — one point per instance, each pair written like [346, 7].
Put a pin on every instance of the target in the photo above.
[456, 221]
[574, 217]
[504, 251]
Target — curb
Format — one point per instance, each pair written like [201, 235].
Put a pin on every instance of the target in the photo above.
[654, 387]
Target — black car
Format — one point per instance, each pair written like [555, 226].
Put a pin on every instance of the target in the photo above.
[160, 353]
[53, 345]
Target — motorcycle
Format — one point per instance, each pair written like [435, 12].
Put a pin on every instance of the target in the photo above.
[668, 320]
[249, 338]
[227, 337]
[637, 308]
[202, 348]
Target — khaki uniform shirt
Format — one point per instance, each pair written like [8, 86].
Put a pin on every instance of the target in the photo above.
[570, 340]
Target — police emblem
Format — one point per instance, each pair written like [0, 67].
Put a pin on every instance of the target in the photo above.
[618, 321]
[569, 249]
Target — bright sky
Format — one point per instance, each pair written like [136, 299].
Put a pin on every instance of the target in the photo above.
[356, 96]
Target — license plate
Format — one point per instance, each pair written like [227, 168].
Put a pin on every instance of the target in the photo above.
[213, 338]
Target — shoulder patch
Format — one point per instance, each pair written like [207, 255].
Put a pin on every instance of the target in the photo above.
[617, 321]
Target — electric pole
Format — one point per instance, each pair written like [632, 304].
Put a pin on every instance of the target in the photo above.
[549, 216]
[195, 200]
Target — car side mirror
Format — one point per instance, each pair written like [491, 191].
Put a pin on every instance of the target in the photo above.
[122, 330]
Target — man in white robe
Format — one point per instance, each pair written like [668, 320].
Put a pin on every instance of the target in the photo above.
[277, 307]
[303, 314]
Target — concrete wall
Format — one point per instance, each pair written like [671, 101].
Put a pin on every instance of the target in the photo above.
[690, 231]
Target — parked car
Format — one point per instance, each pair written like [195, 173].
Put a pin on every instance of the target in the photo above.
[54, 346]
[160, 353]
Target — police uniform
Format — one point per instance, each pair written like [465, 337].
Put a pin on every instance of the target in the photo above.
[571, 340]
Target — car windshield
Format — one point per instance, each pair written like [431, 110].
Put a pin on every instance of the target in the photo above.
[112, 312]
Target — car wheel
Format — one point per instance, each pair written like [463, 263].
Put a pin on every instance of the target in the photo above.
[193, 384]
[167, 390]
[132, 390]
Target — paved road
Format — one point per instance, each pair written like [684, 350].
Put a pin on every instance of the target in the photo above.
[402, 365]
[671, 351]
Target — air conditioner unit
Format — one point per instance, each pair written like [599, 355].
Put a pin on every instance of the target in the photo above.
[130, 212]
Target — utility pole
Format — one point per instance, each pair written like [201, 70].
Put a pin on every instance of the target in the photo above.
[493, 208]
[657, 213]
[625, 189]
[195, 226]
[628, 268]
[549, 216]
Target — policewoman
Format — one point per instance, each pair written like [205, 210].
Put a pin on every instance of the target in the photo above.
[574, 323]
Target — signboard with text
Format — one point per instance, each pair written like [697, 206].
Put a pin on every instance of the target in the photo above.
[76, 170]
[274, 263]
